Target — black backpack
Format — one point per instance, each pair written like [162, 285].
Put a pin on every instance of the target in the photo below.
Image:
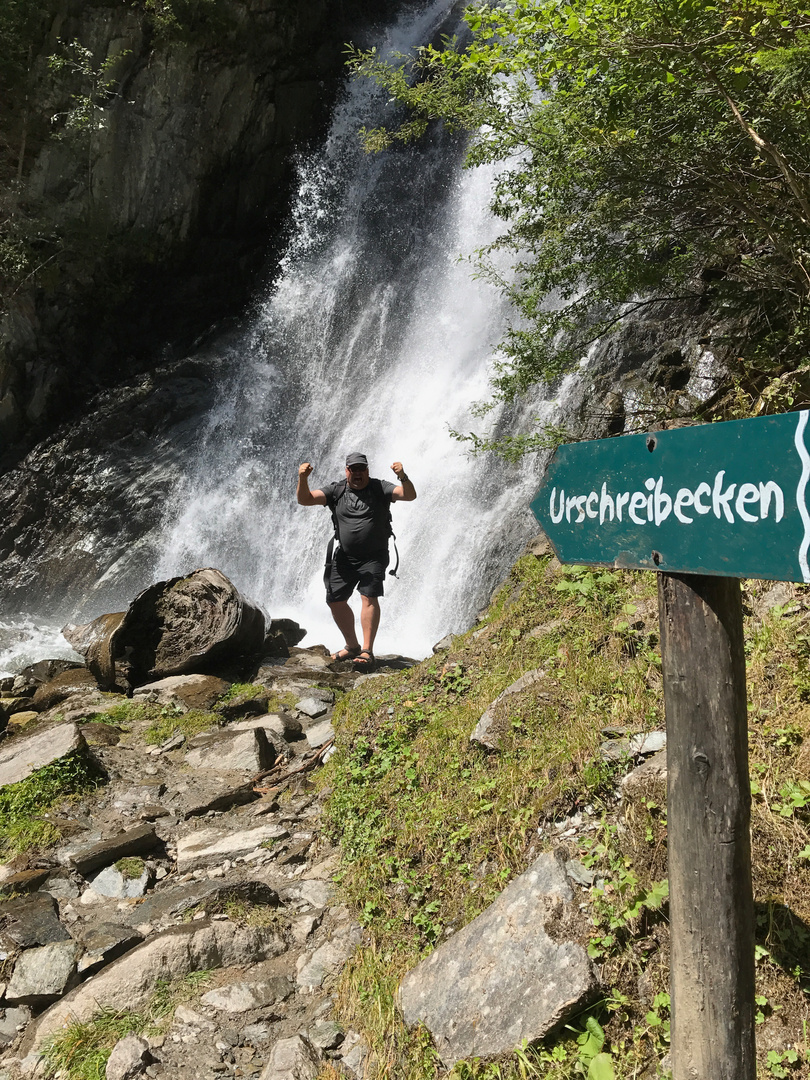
[339, 492]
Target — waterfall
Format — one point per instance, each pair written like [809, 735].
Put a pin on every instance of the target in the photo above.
[374, 335]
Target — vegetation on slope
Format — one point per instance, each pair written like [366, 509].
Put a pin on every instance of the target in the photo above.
[432, 827]
[655, 152]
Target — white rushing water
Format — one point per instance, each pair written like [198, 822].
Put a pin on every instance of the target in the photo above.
[375, 337]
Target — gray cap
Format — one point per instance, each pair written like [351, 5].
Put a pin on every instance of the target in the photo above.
[356, 459]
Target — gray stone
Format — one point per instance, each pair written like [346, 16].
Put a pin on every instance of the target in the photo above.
[187, 691]
[61, 886]
[142, 794]
[292, 1059]
[637, 745]
[255, 1034]
[579, 873]
[278, 725]
[445, 643]
[502, 979]
[21, 757]
[485, 731]
[329, 958]
[244, 996]
[241, 751]
[111, 882]
[356, 1056]
[320, 734]
[185, 1015]
[12, 1019]
[207, 847]
[312, 707]
[202, 798]
[128, 1059]
[315, 893]
[92, 857]
[43, 975]
[327, 1035]
[649, 771]
[105, 943]
[32, 920]
[129, 982]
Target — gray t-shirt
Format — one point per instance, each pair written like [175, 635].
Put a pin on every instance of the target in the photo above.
[362, 516]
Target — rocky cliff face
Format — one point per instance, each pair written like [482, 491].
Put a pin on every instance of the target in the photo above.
[156, 169]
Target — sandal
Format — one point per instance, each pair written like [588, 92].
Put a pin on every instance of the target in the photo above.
[364, 661]
[349, 652]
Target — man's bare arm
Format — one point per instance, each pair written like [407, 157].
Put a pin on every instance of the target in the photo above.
[304, 496]
[405, 491]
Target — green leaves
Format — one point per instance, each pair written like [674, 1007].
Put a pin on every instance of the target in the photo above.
[645, 142]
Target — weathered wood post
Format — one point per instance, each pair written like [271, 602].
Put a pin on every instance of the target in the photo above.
[708, 821]
[703, 506]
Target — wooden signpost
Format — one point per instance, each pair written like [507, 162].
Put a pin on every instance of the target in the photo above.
[704, 506]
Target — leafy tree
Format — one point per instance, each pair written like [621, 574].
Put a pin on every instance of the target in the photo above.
[655, 150]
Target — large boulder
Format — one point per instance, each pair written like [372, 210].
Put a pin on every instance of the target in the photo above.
[185, 625]
[510, 976]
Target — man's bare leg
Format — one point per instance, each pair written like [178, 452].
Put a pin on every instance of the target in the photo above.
[344, 619]
[369, 620]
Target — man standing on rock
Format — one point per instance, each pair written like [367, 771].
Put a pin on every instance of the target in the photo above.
[361, 511]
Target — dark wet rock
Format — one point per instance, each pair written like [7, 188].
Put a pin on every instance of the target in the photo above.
[137, 841]
[25, 881]
[289, 630]
[187, 625]
[44, 974]
[11, 705]
[187, 691]
[45, 670]
[248, 703]
[32, 920]
[61, 686]
[105, 943]
[504, 978]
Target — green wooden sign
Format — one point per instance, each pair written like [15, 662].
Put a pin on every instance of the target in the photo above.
[727, 499]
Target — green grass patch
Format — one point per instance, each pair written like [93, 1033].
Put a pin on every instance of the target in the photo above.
[23, 805]
[170, 721]
[131, 869]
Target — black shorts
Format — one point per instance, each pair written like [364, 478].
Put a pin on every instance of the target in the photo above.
[366, 573]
